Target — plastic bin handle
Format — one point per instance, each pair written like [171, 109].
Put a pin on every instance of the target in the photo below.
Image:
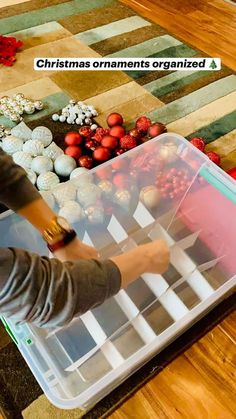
[218, 184]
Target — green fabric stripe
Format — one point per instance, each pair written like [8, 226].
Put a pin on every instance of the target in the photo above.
[145, 49]
[180, 51]
[196, 100]
[47, 14]
[177, 84]
[217, 128]
[53, 103]
[152, 86]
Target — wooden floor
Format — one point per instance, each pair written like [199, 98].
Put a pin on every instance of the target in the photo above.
[209, 25]
[202, 382]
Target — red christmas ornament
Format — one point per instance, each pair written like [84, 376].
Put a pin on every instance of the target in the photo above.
[121, 181]
[109, 141]
[114, 119]
[232, 172]
[85, 131]
[73, 138]
[214, 157]
[198, 142]
[172, 183]
[127, 142]
[119, 164]
[101, 154]
[100, 133]
[156, 129]
[117, 131]
[8, 48]
[142, 124]
[104, 173]
[73, 151]
[86, 161]
[91, 145]
[135, 133]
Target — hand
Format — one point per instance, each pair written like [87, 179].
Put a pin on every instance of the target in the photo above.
[76, 250]
[156, 255]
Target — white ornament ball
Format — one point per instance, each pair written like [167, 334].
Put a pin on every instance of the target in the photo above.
[31, 176]
[53, 151]
[38, 104]
[106, 187]
[33, 147]
[79, 121]
[47, 181]
[150, 196]
[80, 176]
[12, 144]
[93, 127]
[64, 165]
[122, 197]
[55, 117]
[22, 131]
[95, 214]
[42, 164]
[64, 192]
[42, 134]
[72, 211]
[62, 118]
[49, 198]
[88, 195]
[22, 159]
[168, 152]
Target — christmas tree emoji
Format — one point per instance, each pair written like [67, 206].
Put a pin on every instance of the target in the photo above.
[213, 65]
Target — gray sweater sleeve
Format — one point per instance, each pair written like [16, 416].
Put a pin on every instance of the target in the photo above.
[49, 293]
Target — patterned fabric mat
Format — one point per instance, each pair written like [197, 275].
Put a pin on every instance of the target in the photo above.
[190, 103]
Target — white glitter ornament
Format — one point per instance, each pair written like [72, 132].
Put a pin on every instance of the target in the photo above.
[106, 187]
[95, 214]
[55, 117]
[42, 134]
[72, 211]
[42, 164]
[64, 165]
[47, 181]
[31, 176]
[53, 151]
[22, 131]
[168, 152]
[12, 144]
[64, 192]
[122, 197]
[22, 159]
[49, 198]
[88, 195]
[80, 176]
[33, 147]
[150, 196]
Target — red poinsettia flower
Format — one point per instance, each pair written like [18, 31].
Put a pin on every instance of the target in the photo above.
[8, 48]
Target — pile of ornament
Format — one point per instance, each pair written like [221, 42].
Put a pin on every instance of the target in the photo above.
[36, 152]
[200, 144]
[14, 107]
[90, 147]
[76, 113]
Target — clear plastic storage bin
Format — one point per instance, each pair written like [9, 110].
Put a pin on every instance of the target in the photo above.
[165, 189]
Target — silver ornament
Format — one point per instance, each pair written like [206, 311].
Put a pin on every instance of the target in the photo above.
[62, 118]
[15, 117]
[70, 120]
[55, 117]
[34, 148]
[38, 104]
[88, 114]
[22, 159]
[122, 197]
[93, 127]
[8, 131]
[150, 196]
[94, 112]
[41, 164]
[79, 121]
[64, 192]
[95, 214]
[19, 97]
[53, 151]
[88, 195]
[87, 121]
[47, 181]
[64, 165]
[42, 134]
[72, 211]
[12, 144]
[29, 109]
[106, 187]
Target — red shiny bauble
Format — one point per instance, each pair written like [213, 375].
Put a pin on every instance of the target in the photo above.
[198, 142]
[135, 133]
[85, 131]
[127, 142]
[91, 145]
[142, 124]
[156, 129]
[119, 164]
[114, 119]
[214, 157]
[110, 142]
[73, 151]
[104, 173]
[73, 138]
[117, 131]
[120, 180]
[232, 172]
[101, 154]
[86, 161]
